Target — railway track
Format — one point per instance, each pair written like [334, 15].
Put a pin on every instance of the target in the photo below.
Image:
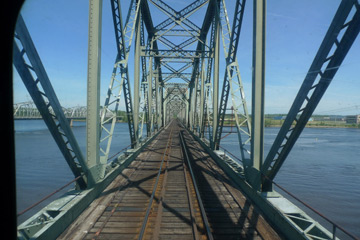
[158, 199]
[172, 190]
[230, 214]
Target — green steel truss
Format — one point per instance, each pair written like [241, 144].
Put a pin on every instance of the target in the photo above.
[176, 74]
[120, 77]
[232, 84]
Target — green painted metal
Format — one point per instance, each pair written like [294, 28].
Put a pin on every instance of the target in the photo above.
[137, 76]
[202, 100]
[120, 80]
[95, 164]
[215, 96]
[194, 59]
[252, 170]
[232, 83]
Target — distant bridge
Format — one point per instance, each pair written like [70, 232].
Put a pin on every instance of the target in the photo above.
[28, 110]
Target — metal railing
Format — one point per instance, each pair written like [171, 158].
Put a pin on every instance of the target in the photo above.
[334, 225]
[66, 185]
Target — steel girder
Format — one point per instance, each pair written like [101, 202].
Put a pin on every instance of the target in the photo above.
[120, 77]
[179, 17]
[232, 67]
[321, 72]
[176, 51]
[209, 20]
[213, 116]
[146, 87]
[94, 161]
[177, 73]
[175, 102]
[253, 166]
[207, 86]
[38, 84]
[184, 54]
[154, 73]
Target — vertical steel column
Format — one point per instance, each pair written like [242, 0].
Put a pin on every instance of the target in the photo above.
[164, 110]
[258, 91]
[216, 76]
[195, 106]
[157, 112]
[187, 109]
[192, 105]
[188, 125]
[137, 76]
[150, 90]
[202, 99]
[93, 92]
[161, 106]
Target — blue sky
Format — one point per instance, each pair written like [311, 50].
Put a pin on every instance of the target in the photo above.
[295, 30]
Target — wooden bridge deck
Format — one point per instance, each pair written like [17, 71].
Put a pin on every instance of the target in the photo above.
[155, 198]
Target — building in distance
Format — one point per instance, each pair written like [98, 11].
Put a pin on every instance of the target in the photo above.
[353, 119]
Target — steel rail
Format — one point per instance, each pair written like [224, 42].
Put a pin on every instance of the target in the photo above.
[218, 176]
[148, 210]
[162, 196]
[129, 183]
[202, 209]
[334, 225]
[192, 214]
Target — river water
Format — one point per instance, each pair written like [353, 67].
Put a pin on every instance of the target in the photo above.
[323, 169]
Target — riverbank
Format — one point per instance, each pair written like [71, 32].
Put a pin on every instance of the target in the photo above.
[315, 124]
[312, 124]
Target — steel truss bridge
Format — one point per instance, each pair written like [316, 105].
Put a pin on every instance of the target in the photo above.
[28, 110]
[177, 75]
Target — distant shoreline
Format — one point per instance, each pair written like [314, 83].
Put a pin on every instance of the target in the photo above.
[309, 126]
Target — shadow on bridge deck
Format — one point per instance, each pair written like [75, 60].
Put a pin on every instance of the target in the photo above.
[155, 198]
